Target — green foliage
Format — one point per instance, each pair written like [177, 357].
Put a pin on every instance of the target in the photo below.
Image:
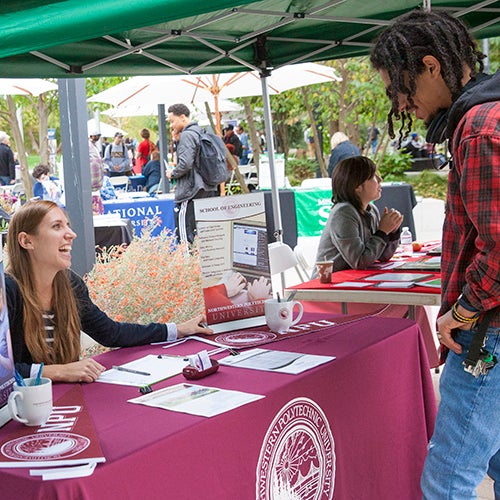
[429, 184]
[393, 166]
[299, 169]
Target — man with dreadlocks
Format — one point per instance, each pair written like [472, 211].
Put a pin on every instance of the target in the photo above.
[431, 68]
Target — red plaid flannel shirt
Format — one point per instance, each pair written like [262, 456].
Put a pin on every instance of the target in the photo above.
[471, 232]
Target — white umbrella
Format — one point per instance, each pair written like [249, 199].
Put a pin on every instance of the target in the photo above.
[152, 109]
[149, 91]
[104, 129]
[25, 86]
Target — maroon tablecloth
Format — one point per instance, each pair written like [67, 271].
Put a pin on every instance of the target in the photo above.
[376, 398]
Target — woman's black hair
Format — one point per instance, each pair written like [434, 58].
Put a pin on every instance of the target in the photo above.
[401, 48]
[348, 175]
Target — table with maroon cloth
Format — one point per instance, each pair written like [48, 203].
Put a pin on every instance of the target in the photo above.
[376, 398]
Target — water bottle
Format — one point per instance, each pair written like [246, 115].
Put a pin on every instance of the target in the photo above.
[406, 243]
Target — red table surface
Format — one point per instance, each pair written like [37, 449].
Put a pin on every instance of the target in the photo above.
[358, 275]
[377, 395]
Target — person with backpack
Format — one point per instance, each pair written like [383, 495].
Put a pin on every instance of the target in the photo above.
[116, 157]
[144, 151]
[190, 184]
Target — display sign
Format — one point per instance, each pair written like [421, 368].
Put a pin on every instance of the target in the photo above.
[232, 240]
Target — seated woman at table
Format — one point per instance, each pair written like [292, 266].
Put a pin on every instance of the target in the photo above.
[49, 304]
[356, 235]
[152, 172]
[46, 186]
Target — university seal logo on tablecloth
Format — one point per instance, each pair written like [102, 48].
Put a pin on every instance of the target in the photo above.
[297, 458]
[45, 446]
[244, 338]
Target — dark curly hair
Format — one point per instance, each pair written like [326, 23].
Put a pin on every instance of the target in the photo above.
[401, 48]
[178, 110]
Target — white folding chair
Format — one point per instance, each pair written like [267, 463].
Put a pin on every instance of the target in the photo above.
[282, 259]
[320, 182]
[120, 182]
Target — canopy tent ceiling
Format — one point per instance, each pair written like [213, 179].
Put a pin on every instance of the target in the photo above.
[70, 38]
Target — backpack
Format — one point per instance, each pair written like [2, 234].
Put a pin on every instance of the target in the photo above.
[211, 161]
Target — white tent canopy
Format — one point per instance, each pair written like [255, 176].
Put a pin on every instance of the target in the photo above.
[25, 86]
[142, 92]
[102, 128]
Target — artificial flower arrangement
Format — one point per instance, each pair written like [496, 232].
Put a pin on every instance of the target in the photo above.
[153, 279]
[9, 202]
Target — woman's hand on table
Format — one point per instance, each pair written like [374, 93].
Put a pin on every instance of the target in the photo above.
[193, 326]
[85, 370]
[390, 220]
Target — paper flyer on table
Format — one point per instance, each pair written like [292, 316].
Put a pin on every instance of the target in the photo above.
[196, 399]
[67, 438]
[394, 284]
[431, 283]
[398, 277]
[234, 259]
[276, 361]
[151, 369]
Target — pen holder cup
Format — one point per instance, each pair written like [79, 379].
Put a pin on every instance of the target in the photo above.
[31, 404]
[191, 373]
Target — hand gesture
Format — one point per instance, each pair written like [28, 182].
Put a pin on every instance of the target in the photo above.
[390, 220]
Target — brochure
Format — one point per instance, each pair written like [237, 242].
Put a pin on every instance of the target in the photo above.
[394, 284]
[427, 263]
[431, 283]
[409, 277]
[196, 399]
[276, 361]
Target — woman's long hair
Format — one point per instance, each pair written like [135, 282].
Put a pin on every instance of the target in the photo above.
[66, 347]
[349, 174]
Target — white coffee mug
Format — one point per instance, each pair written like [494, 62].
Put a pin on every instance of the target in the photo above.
[31, 404]
[279, 315]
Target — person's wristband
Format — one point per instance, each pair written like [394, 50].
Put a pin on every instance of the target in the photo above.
[460, 318]
[461, 301]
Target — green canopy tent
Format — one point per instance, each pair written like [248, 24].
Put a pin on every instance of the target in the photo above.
[71, 39]
[106, 37]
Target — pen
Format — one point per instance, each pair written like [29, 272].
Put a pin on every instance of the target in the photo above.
[39, 375]
[129, 370]
[19, 379]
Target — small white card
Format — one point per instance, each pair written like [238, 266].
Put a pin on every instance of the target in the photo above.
[352, 284]
[201, 361]
[394, 284]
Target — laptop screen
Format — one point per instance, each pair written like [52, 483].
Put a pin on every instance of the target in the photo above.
[249, 252]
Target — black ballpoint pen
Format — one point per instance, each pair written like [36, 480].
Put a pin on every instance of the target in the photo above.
[129, 370]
